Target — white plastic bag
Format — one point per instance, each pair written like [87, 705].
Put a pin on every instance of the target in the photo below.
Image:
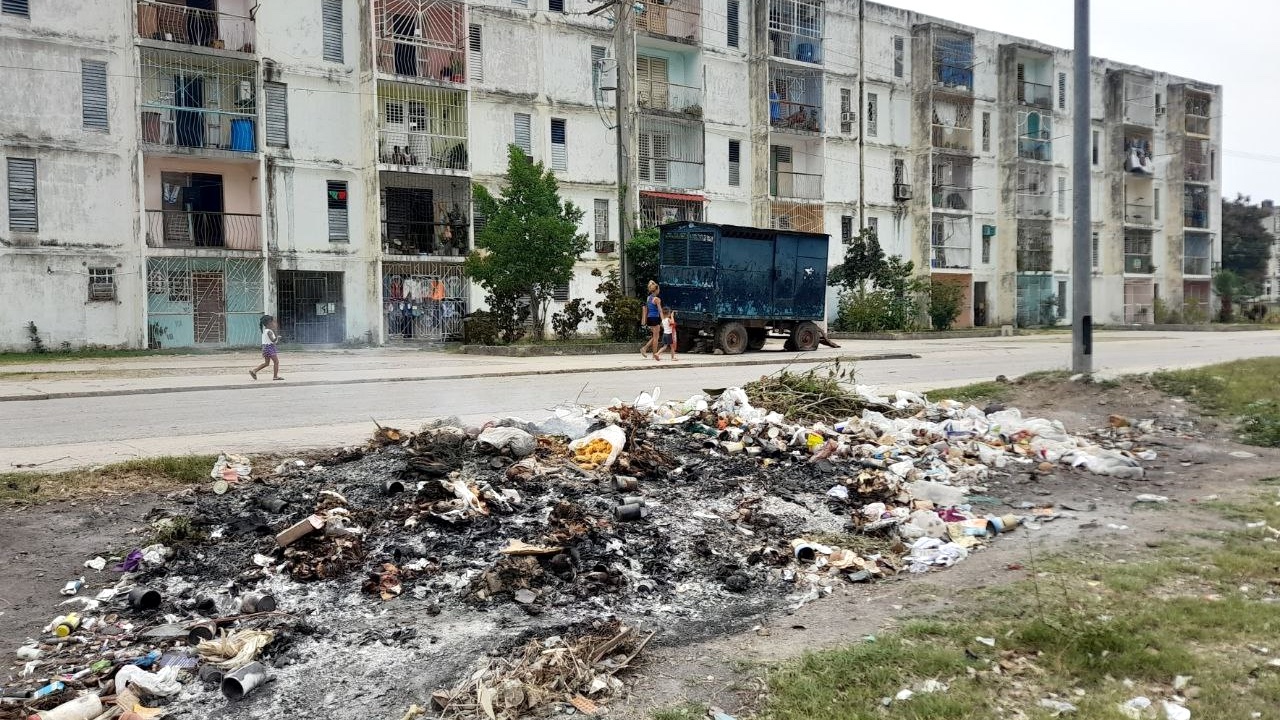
[614, 435]
[519, 442]
[571, 422]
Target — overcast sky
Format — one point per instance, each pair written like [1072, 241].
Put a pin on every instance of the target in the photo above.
[1234, 43]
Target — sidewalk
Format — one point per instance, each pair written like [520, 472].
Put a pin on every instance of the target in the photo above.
[194, 373]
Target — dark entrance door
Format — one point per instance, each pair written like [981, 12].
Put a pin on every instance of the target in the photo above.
[406, 55]
[204, 202]
[311, 309]
[189, 124]
[410, 217]
[210, 301]
[979, 304]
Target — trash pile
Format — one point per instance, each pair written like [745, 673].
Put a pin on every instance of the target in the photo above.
[377, 574]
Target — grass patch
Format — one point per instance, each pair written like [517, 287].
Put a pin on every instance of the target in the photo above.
[54, 356]
[1077, 631]
[977, 392]
[1244, 389]
[687, 711]
[129, 476]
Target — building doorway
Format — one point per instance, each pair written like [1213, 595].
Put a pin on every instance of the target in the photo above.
[310, 307]
[979, 304]
[210, 307]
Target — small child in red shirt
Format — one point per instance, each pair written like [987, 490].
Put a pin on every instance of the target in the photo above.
[668, 333]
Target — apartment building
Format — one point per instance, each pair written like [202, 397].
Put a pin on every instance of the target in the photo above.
[315, 159]
[1271, 282]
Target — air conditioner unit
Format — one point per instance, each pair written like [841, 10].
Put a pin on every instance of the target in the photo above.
[604, 246]
[849, 117]
[901, 191]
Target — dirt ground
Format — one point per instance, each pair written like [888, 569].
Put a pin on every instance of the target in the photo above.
[45, 545]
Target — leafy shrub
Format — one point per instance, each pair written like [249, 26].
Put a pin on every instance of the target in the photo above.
[944, 304]
[480, 328]
[1260, 424]
[566, 322]
[619, 314]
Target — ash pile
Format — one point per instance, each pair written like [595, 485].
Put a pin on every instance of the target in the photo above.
[517, 569]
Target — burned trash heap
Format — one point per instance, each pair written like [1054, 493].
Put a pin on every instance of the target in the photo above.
[378, 576]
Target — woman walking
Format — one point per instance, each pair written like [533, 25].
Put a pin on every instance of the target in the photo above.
[651, 318]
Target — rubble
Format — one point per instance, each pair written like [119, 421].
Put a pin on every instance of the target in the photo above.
[420, 550]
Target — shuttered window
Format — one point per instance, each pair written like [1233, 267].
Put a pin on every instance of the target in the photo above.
[1062, 91]
[555, 5]
[331, 17]
[735, 163]
[338, 228]
[23, 213]
[93, 95]
[899, 55]
[277, 114]
[15, 7]
[655, 158]
[731, 28]
[560, 293]
[523, 136]
[652, 84]
[597, 62]
[846, 229]
[520, 3]
[475, 54]
[559, 145]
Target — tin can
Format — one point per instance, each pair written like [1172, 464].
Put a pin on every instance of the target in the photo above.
[220, 487]
[631, 511]
[200, 633]
[144, 598]
[272, 504]
[622, 483]
[392, 487]
[253, 603]
[238, 684]
[632, 500]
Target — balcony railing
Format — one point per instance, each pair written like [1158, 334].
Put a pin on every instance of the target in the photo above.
[421, 38]
[1197, 125]
[672, 98]
[952, 197]
[950, 257]
[1138, 214]
[676, 19]
[1138, 264]
[168, 22]
[189, 127]
[804, 186]
[1195, 219]
[1196, 171]
[1035, 148]
[1192, 265]
[795, 116]
[422, 150]
[188, 229]
[1036, 258]
[1036, 95]
[948, 137]
[402, 237]
[1035, 205]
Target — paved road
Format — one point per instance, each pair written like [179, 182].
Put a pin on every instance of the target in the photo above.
[81, 431]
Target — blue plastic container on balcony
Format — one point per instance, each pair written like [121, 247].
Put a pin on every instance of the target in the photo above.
[805, 53]
[242, 135]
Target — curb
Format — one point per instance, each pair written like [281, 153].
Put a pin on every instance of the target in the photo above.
[458, 376]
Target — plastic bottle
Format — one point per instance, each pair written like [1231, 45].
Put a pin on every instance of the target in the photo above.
[84, 707]
[68, 625]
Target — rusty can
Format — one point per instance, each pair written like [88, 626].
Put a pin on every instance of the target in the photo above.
[144, 598]
[201, 632]
[392, 487]
[254, 603]
[622, 483]
[632, 500]
[631, 511]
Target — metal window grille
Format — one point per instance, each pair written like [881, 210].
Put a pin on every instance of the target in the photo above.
[523, 133]
[93, 94]
[475, 53]
[1062, 195]
[602, 221]
[102, 283]
[731, 28]
[15, 7]
[735, 163]
[1094, 255]
[331, 19]
[559, 145]
[422, 126]
[986, 132]
[873, 114]
[899, 171]
[1062, 91]
[873, 224]
[1155, 203]
[899, 54]
[846, 229]
[277, 114]
[422, 38]
[846, 110]
[23, 206]
[198, 101]
[337, 203]
[986, 250]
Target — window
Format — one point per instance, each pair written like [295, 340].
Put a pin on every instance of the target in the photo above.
[1062, 91]
[523, 133]
[1093, 250]
[559, 147]
[986, 249]
[23, 208]
[873, 224]
[899, 171]
[846, 229]
[597, 65]
[102, 284]
[899, 53]
[560, 293]
[278, 114]
[1159, 101]
[655, 154]
[1062, 299]
[93, 94]
[394, 112]
[1097, 140]
[1155, 204]
[475, 53]
[331, 19]
[846, 110]
[735, 163]
[1062, 195]
[556, 6]
[873, 114]
[731, 28]
[1213, 164]
[986, 132]
[179, 286]
[520, 3]
[602, 221]
[338, 231]
[15, 7]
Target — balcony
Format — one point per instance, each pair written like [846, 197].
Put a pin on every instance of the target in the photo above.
[795, 100]
[953, 198]
[952, 184]
[1197, 254]
[421, 38]
[1139, 156]
[671, 153]
[1035, 206]
[953, 127]
[1195, 207]
[1035, 136]
[1196, 120]
[192, 102]
[661, 97]
[678, 20]
[950, 243]
[1037, 95]
[1035, 248]
[422, 128]
[657, 208]
[184, 229]
[1139, 214]
[796, 30]
[795, 116]
[798, 185]
[1196, 161]
[953, 62]
[1138, 100]
[1137, 253]
[217, 30]
[802, 216]
[424, 214]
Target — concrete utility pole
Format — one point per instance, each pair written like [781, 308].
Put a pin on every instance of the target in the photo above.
[1082, 222]
[624, 44]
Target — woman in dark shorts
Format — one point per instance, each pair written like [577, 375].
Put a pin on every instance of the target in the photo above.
[651, 318]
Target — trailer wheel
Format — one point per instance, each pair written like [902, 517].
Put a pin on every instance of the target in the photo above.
[805, 336]
[731, 337]
[756, 338]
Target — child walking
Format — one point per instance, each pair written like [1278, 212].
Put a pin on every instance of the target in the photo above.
[269, 354]
[668, 333]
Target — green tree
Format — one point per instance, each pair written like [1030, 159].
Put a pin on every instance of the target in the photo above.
[863, 261]
[642, 256]
[530, 241]
[1229, 287]
[945, 300]
[1246, 246]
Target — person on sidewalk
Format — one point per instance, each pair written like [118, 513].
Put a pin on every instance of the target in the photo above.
[651, 318]
[668, 333]
[269, 354]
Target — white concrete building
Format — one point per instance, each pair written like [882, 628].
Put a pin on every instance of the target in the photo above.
[1271, 283]
[315, 160]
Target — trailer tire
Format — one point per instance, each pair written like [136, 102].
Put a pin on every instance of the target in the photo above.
[756, 338]
[805, 336]
[731, 338]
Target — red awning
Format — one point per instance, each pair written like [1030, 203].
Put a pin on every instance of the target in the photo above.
[673, 196]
